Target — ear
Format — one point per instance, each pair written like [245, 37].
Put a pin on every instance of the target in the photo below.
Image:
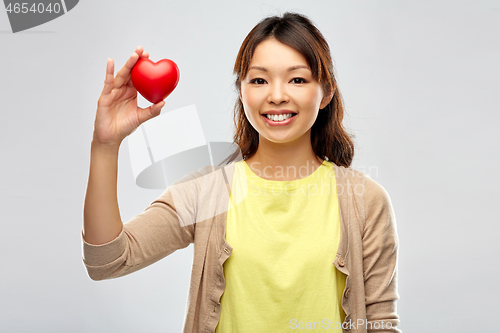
[327, 98]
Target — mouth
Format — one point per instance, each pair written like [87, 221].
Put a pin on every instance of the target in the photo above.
[279, 120]
[280, 117]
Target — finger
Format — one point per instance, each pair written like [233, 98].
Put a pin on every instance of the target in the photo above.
[150, 112]
[156, 108]
[139, 50]
[145, 54]
[108, 82]
[123, 74]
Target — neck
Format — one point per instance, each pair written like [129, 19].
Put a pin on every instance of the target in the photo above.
[284, 161]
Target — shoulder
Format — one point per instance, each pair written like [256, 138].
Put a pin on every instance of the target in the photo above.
[198, 196]
[367, 194]
[349, 175]
[208, 174]
[379, 213]
[194, 185]
[207, 181]
[350, 183]
[366, 185]
[375, 193]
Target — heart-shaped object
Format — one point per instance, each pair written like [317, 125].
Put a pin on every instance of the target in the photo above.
[155, 81]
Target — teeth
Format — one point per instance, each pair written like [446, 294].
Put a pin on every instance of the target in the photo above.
[280, 117]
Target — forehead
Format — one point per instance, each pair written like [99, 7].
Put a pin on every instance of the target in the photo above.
[272, 53]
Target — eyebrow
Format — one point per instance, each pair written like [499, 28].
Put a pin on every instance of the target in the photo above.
[291, 69]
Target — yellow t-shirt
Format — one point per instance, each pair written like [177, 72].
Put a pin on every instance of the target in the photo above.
[285, 235]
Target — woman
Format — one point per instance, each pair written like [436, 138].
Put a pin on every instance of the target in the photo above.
[288, 237]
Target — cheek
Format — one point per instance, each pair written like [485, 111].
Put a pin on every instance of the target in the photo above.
[305, 100]
[248, 106]
[313, 97]
[251, 100]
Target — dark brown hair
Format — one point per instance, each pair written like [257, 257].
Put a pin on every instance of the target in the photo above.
[328, 136]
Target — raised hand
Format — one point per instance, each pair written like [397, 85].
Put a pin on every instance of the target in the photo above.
[117, 112]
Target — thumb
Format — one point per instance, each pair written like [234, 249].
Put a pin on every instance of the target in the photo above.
[156, 108]
[150, 112]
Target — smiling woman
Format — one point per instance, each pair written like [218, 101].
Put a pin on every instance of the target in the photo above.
[289, 117]
[313, 244]
[281, 99]
[289, 50]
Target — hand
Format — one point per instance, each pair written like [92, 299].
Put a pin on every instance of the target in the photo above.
[117, 113]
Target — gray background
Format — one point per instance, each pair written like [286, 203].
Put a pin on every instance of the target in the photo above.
[420, 82]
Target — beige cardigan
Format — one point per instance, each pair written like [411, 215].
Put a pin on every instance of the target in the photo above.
[194, 210]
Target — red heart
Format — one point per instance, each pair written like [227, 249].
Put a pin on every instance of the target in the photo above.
[155, 81]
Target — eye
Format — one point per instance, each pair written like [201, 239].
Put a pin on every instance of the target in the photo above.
[258, 81]
[298, 80]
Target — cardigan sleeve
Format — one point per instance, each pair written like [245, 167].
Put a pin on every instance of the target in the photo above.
[148, 237]
[380, 250]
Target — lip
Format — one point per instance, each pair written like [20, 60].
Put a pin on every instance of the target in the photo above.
[270, 122]
[278, 112]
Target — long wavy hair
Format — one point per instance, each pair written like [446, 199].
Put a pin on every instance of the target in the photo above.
[329, 139]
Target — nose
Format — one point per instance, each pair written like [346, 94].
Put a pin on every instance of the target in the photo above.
[277, 94]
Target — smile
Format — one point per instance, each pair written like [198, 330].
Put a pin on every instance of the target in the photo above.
[280, 117]
[279, 120]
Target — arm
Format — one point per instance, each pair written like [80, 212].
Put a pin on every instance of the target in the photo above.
[117, 116]
[101, 216]
[145, 239]
[380, 250]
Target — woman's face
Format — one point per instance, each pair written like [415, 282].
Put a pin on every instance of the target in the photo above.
[280, 84]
